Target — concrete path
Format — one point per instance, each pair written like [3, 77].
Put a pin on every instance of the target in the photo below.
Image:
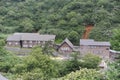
[2, 77]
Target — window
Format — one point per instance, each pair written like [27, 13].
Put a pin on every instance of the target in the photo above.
[95, 46]
[43, 42]
[30, 46]
[25, 45]
[16, 43]
[9, 43]
[38, 41]
[98, 52]
[107, 48]
[65, 48]
[92, 47]
[25, 41]
[30, 41]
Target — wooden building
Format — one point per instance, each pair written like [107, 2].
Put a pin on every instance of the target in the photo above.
[29, 40]
[66, 47]
[99, 48]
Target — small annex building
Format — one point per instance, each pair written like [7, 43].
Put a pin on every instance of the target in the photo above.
[66, 47]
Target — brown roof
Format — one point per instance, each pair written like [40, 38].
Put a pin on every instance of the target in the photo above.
[92, 42]
[30, 36]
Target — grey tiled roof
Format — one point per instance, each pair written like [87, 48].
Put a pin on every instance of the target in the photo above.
[92, 42]
[13, 38]
[38, 37]
[47, 37]
[26, 34]
[86, 40]
[30, 36]
[68, 42]
[2, 78]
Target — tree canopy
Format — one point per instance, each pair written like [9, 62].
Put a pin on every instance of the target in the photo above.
[116, 40]
[60, 17]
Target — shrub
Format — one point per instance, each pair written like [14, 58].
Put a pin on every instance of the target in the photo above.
[83, 74]
[90, 61]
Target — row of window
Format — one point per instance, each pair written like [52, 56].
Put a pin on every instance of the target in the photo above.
[35, 41]
[27, 45]
[27, 42]
[98, 52]
[94, 47]
[65, 48]
[10, 43]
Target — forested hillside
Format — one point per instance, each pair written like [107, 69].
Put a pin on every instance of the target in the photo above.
[65, 18]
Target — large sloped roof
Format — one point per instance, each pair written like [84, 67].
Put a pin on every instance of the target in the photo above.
[92, 42]
[38, 37]
[13, 38]
[2, 77]
[26, 34]
[30, 36]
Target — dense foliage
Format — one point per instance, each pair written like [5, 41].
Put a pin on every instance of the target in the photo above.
[113, 73]
[115, 41]
[83, 74]
[36, 66]
[7, 60]
[65, 18]
[39, 65]
[61, 17]
[89, 61]
[2, 42]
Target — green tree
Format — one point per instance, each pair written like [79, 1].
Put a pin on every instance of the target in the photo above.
[36, 74]
[7, 60]
[64, 15]
[39, 60]
[26, 25]
[113, 73]
[83, 74]
[73, 36]
[2, 42]
[115, 41]
[48, 48]
[71, 65]
[90, 61]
